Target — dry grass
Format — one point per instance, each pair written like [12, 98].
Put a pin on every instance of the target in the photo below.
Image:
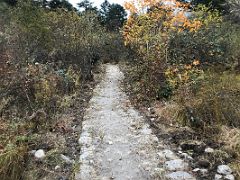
[231, 139]
[12, 162]
[216, 103]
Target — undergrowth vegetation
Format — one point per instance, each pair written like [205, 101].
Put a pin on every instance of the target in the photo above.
[187, 55]
[48, 51]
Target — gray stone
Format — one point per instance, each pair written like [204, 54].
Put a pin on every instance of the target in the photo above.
[229, 177]
[168, 154]
[175, 165]
[39, 154]
[180, 175]
[218, 177]
[186, 156]
[224, 169]
[202, 171]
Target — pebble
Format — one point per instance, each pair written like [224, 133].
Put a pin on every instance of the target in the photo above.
[209, 150]
[202, 171]
[40, 154]
[57, 167]
[224, 169]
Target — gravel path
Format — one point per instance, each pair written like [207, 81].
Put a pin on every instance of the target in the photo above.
[116, 142]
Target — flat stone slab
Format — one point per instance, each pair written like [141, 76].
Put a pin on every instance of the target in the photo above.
[176, 165]
[180, 175]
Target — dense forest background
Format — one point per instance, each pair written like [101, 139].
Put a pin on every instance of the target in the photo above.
[184, 55]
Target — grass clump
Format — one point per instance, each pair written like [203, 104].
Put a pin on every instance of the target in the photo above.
[216, 103]
[12, 160]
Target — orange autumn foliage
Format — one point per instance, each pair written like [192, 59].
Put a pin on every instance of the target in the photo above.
[159, 16]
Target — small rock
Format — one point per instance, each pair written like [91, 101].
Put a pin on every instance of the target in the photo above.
[202, 171]
[224, 169]
[176, 165]
[67, 159]
[151, 110]
[169, 154]
[57, 167]
[110, 143]
[39, 154]
[180, 175]
[209, 150]
[159, 170]
[217, 177]
[186, 156]
[229, 177]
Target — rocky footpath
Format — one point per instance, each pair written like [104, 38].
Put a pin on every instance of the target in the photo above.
[118, 143]
[207, 160]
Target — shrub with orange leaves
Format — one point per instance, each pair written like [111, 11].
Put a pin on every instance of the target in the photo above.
[148, 31]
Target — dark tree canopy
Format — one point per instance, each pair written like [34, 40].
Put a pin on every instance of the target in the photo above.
[10, 2]
[86, 5]
[54, 4]
[113, 16]
[213, 4]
